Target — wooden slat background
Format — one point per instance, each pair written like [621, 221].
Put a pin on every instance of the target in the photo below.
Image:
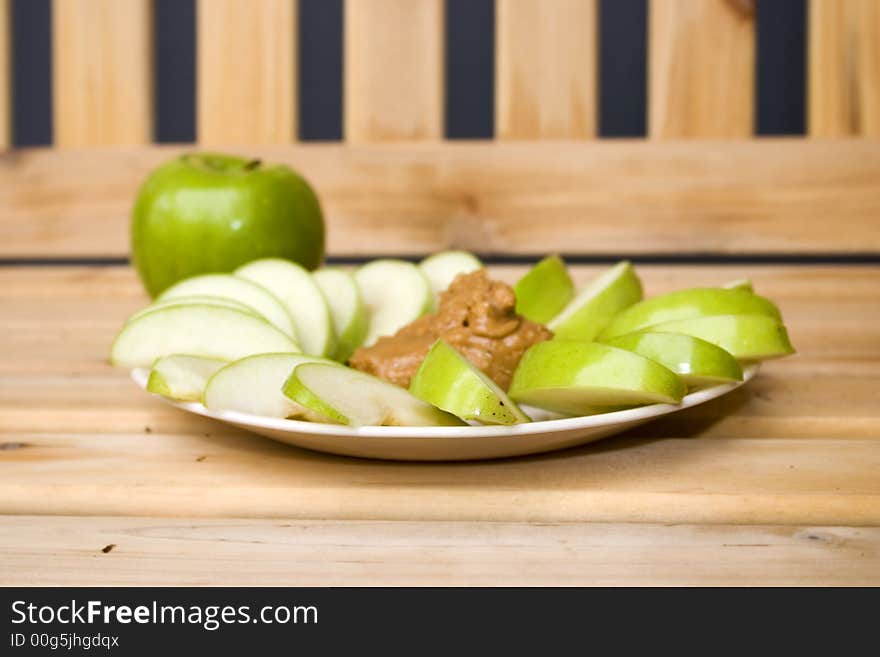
[102, 72]
[844, 68]
[246, 72]
[393, 70]
[701, 68]
[546, 69]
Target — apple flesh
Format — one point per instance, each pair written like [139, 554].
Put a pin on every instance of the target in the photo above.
[206, 212]
[347, 309]
[582, 378]
[544, 291]
[697, 362]
[688, 304]
[355, 398]
[395, 293]
[196, 299]
[746, 337]
[253, 385]
[182, 377]
[442, 268]
[449, 381]
[196, 330]
[302, 298]
[595, 306]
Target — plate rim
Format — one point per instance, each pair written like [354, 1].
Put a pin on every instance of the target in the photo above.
[641, 413]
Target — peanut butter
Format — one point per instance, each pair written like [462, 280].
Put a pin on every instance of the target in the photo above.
[477, 317]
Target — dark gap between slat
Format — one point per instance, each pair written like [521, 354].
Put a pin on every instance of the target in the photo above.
[623, 68]
[31, 50]
[470, 69]
[780, 78]
[319, 57]
[174, 47]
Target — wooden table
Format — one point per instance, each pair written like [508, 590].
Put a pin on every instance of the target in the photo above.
[776, 483]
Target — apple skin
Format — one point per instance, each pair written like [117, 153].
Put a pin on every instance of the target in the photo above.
[205, 212]
[544, 290]
[746, 337]
[581, 378]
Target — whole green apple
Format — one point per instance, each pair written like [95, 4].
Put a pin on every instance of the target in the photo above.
[205, 212]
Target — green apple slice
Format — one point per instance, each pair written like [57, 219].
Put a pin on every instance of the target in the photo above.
[740, 284]
[582, 378]
[237, 289]
[697, 362]
[347, 309]
[182, 377]
[253, 385]
[687, 304]
[544, 291]
[196, 330]
[746, 337]
[591, 310]
[201, 299]
[358, 399]
[449, 381]
[302, 298]
[442, 268]
[395, 293]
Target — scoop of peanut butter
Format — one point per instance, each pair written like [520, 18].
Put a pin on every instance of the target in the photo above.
[477, 317]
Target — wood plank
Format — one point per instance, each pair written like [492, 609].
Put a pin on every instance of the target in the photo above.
[102, 85]
[761, 196]
[701, 68]
[247, 70]
[799, 445]
[393, 71]
[42, 551]
[546, 75]
[844, 68]
[5, 76]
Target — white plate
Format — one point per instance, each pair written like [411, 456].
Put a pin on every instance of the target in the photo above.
[451, 443]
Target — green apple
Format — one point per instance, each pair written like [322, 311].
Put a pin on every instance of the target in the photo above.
[196, 330]
[200, 299]
[206, 212]
[237, 289]
[697, 362]
[302, 298]
[395, 293]
[591, 310]
[182, 377]
[450, 381]
[740, 284]
[581, 378]
[355, 398]
[347, 309]
[442, 268]
[746, 337]
[687, 304]
[253, 385]
[544, 290]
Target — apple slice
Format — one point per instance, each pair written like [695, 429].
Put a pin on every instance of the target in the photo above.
[196, 330]
[237, 289]
[347, 309]
[740, 284]
[355, 398]
[395, 293]
[302, 298]
[697, 362]
[182, 377]
[253, 385]
[687, 304]
[746, 337]
[449, 381]
[544, 291]
[442, 268]
[595, 306]
[582, 378]
[201, 299]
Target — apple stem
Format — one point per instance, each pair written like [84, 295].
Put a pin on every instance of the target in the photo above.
[253, 164]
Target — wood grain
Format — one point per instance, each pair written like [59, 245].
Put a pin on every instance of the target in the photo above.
[759, 196]
[102, 86]
[393, 72]
[701, 68]
[797, 446]
[844, 68]
[546, 74]
[246, 63]
[41, 551]
[5, 76]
